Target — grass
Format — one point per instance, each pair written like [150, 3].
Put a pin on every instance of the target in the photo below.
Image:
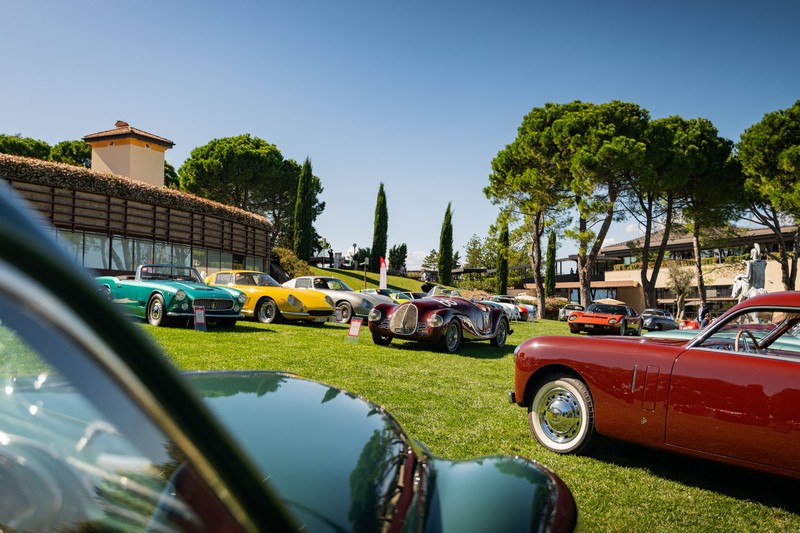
[456, 404]
[355, 279]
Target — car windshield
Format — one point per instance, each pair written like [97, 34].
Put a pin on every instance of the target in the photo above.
[775, 329]
[606, 308]
[332, 284]
[452, 293]
[255, 278]
[167, 272]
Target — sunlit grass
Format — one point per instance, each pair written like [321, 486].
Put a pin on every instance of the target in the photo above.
[457, 405]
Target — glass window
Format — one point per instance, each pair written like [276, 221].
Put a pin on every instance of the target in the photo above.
[78, 453]
[214, 261]
[161, 253]
[226, 260]
[199, 259]
[223, 279]
[238, 261]
[181, 254]
[122, 254]
[96, 251]
[72, 243]
[144, 253]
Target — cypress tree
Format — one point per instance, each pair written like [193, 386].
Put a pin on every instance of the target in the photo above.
[303, 216]
[445, 263]
[380, 235]
[502, 260]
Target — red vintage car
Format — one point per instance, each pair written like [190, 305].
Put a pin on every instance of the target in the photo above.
[445, 317]
[602, 318]
[730, 393]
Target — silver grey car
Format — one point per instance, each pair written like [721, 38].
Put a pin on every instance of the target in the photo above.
[348, 302]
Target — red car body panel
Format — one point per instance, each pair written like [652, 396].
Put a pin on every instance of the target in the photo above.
[677, 394]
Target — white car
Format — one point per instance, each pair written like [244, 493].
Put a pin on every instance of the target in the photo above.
[564, 312]
[348, 302]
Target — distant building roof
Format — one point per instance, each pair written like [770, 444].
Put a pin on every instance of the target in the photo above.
[680, 240]
[123, 131]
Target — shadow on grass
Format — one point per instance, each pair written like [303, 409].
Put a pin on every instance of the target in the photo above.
[733, 481]
[473, 349]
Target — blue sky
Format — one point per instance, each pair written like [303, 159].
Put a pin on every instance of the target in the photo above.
[417, 95]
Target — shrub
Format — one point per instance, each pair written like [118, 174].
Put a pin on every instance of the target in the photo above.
[289, 262]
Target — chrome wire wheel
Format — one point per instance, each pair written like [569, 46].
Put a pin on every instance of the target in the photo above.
[347, 312]
[499, 340]
[156, 314]
[561, 414]
[267, 311]
[452, 337]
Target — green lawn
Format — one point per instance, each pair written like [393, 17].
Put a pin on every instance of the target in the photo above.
[457, 405]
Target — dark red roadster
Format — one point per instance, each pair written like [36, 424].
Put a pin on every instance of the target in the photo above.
[731, 393]
[445, 317]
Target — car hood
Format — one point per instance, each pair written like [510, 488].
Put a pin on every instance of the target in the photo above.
[335, 459]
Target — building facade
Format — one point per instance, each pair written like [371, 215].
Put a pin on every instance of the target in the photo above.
[111, 223]
[619, 269]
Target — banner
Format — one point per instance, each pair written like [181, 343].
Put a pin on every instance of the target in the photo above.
[382, 283]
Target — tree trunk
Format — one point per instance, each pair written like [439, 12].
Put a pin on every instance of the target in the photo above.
[701, 286]
[535, 257]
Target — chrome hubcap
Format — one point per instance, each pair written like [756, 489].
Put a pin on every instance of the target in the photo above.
[560, 415]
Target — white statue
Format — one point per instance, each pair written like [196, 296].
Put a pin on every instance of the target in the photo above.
[751, 283]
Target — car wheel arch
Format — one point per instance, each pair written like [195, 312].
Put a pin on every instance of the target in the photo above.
[544, 373]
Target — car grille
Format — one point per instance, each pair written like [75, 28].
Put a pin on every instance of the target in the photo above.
[404, 320]
[214, 304]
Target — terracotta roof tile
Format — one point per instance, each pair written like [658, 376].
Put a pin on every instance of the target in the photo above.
[122, 130]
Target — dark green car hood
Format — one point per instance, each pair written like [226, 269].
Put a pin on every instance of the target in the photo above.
[343, 463]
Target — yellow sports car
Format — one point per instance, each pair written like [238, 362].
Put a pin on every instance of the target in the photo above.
[269, 301]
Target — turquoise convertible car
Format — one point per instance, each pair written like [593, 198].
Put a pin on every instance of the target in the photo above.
[163, 294]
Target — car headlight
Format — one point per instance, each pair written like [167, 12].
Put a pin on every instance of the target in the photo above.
[242, 298]
[572, 318]
[180, 295]
[435, 321]
[294, 301]
[366, 304]
[329, 301]
[612, 321]
[374, 315]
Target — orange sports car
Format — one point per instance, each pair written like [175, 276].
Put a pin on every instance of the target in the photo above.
[606, 319]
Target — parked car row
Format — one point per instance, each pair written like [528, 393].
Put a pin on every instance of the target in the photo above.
[100, 432]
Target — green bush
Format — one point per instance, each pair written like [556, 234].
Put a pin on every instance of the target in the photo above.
[293, 265]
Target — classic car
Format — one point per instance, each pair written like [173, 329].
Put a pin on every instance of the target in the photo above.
[394, 294]
[163, 294]
[606, 319]
[511, 310]
[658, 319]
[445, 317]
[348, 302]
[101, 433]
[269, 301]
[567, 310]
[729, 392]
[522, 309]
[415, 295]
[689, 323]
